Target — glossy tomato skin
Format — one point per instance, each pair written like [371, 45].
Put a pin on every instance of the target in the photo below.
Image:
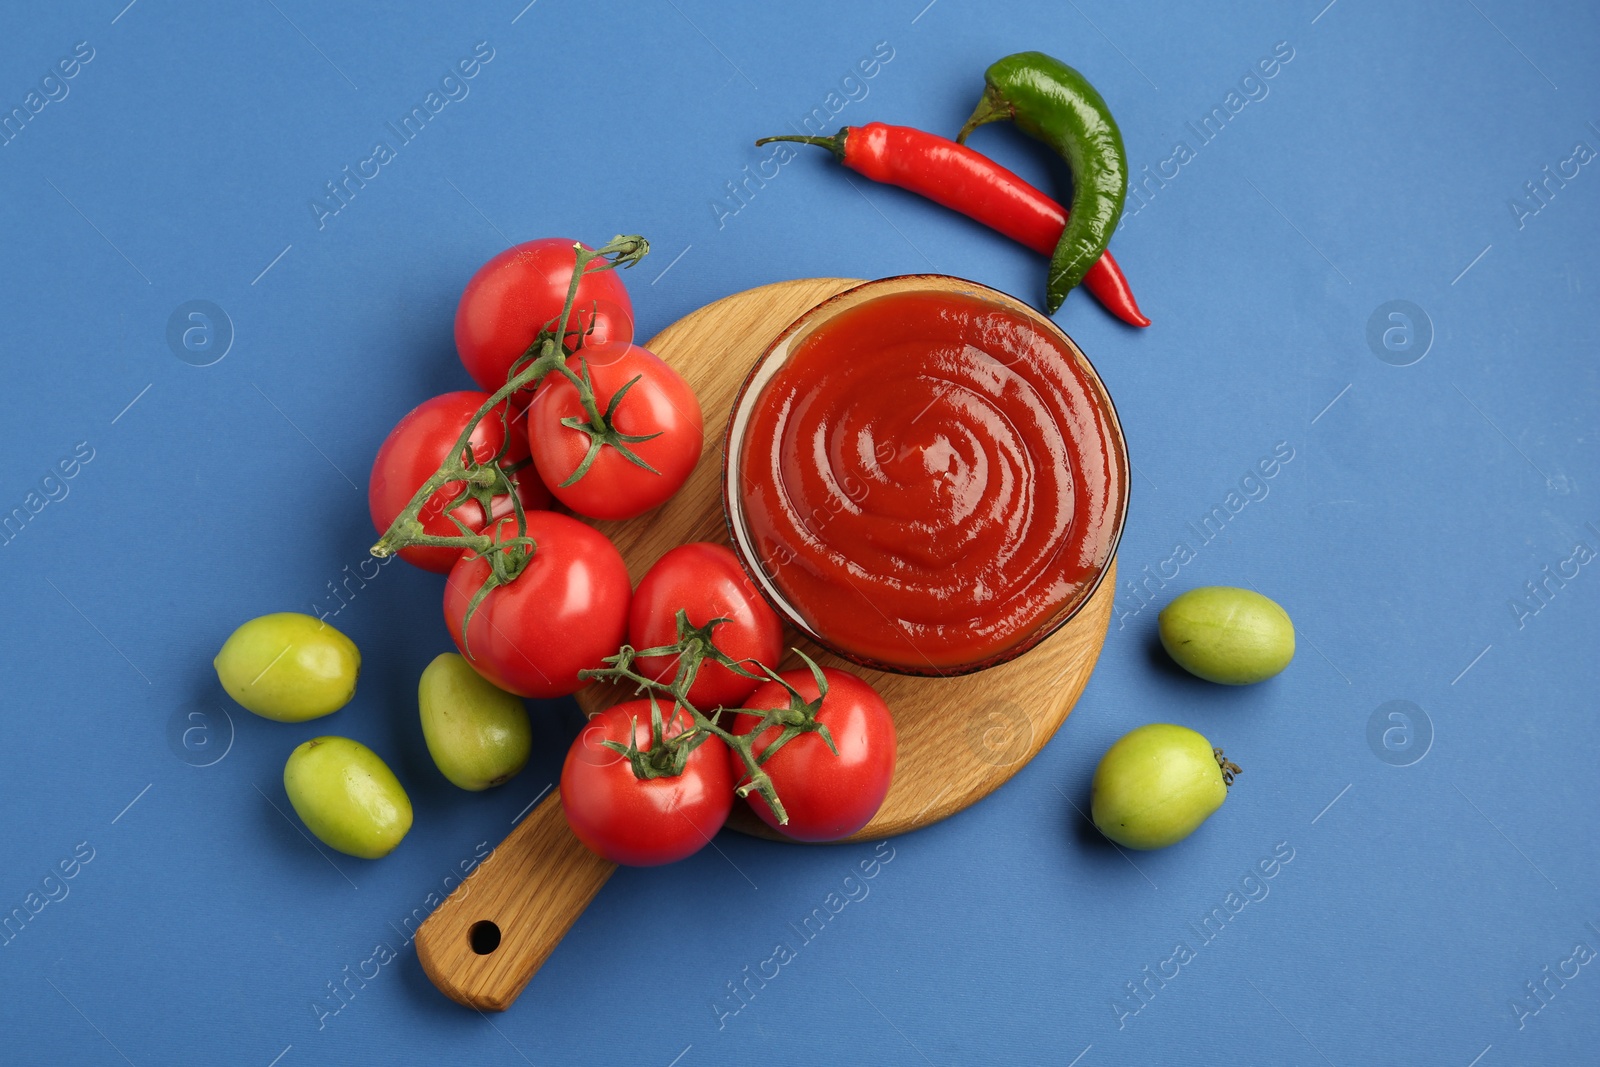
[419, 445]
[511, 298]
[661, 402]
[566, 612]
[827, 796]
[706, 581]
[637, 822]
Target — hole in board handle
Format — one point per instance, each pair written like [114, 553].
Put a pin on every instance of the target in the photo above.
[484, 937]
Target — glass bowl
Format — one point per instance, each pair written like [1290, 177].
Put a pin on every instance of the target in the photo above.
[1108, 524]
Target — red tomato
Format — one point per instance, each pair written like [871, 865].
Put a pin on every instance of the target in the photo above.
[565, 612]
[827, 796]
[706, 581]
[660, 402]
[636, 821]
[418, 446]
[521, 290]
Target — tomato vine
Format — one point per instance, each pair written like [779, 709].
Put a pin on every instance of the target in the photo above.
[666, 756]
[482, 482]
[508, 557]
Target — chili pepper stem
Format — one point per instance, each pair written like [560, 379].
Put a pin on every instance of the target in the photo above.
[834, 144]
[992, 107]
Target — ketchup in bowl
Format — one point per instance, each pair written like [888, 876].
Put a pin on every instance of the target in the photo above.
[925, 475]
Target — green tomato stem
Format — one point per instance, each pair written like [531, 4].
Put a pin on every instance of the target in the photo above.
[1229, 768]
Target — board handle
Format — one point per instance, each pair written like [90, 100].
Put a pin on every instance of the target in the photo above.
[489, 937]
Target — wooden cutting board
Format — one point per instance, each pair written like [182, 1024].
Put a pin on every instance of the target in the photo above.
[959, 739]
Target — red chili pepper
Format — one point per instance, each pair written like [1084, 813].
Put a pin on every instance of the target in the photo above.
[963, 180]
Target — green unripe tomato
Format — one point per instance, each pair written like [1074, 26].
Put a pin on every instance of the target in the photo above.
[1226, 635]
[289, 667]
[1156, 785]
[347, 796]
[478, 734]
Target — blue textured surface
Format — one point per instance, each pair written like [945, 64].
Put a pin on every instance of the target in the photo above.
[1378, 164]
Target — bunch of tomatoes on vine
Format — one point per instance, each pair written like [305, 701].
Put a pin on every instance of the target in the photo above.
[571, 421]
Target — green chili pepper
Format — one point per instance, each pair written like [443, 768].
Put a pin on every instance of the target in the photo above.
[1050, 101]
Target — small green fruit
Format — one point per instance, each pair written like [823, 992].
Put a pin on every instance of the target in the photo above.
[289, 667]
[1156, 785]
[478, 734]
[1226, 635]
[347, 796]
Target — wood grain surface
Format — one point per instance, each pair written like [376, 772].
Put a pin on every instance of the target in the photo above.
[531, 888]
[959, 738]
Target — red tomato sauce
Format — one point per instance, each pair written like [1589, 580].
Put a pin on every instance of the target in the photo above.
[930, 480]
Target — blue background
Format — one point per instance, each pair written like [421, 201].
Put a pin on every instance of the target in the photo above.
[1419, 501]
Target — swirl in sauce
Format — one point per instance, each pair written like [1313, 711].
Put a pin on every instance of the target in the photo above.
[929, 480]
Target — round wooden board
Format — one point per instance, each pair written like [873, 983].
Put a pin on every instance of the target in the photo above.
[959, 738]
